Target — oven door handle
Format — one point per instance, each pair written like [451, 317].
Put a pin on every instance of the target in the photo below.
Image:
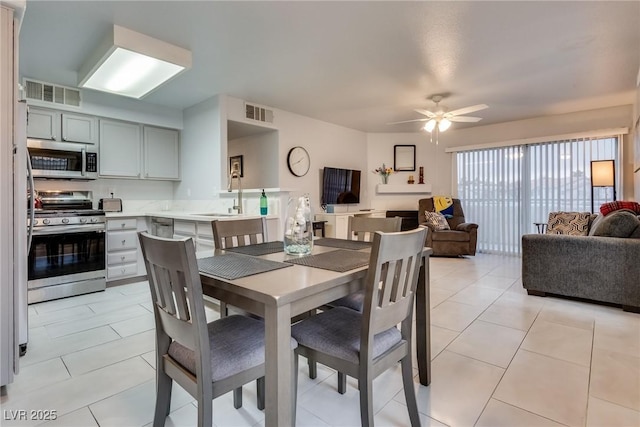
[83, 172]
[65, 229]
[32, 202]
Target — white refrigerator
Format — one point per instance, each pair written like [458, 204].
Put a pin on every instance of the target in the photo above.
[13, 205]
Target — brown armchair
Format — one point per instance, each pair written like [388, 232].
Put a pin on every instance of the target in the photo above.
[460, 240]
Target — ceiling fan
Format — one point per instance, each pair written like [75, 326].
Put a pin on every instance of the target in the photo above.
[440, 120]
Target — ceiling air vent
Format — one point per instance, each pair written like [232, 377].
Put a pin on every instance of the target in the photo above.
[48, 94]
[261, 114]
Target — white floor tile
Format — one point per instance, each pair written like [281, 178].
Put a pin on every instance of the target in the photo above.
[109, 353]
[80, 418]
[135, 406]
[72, 313]
[489, 343]
[74, 393]
[495, 282]
[606, 414]
[512, 317]
[135, 325]
[67, 328]
[500, 414]
[42, 349]
[549, 387]
[119, 303]
[615, 377]
[36, 376]
[454, 315]
[395, 414]
[459, 390]
[477, 296]
[560, 341]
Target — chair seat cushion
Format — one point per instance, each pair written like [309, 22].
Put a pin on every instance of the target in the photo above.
[337, 332]
[450, 236]
[353, 301]
[236, 344]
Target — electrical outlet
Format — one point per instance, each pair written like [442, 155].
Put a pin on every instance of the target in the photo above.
[111, 190]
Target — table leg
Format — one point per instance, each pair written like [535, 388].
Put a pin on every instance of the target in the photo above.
[279, 396]
[423, 324]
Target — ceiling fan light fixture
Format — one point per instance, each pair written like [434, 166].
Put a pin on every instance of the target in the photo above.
[430, 125]
[132, 64]
[444, 124]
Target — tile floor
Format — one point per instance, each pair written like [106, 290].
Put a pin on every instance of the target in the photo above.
[500, 358]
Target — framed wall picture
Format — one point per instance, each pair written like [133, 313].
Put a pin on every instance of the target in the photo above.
[235, 164]
[404, 158]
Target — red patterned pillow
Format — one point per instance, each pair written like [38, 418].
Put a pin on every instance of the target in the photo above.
[609, 207]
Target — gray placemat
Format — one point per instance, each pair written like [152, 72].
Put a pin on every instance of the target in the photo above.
[340, 260]
[342, 243]
[258, 249]
[233, 266]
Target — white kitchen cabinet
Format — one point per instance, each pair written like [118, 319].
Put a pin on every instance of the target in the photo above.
[124, 258]
[337, 225]
[43, 124]
[161, 149]
[61, 126]
[79, 128]
[200, 231]
[120, 149]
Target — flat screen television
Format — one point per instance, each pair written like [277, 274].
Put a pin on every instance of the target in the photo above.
[340, 186]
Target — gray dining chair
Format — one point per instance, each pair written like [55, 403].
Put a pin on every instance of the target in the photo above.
[238, 232]
[365, 344]
[206, 359]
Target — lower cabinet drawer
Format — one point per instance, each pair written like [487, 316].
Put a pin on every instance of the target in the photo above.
[125, 257]
[122, 240]
[120, 271]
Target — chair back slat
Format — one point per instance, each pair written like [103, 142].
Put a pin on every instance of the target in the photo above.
[392, 279]
[362, 228]
[239, 232]
[176, 291]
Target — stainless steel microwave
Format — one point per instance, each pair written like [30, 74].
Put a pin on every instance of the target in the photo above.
[62, 160]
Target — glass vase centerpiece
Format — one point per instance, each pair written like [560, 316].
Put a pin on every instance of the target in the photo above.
[384, 173]
[298, 228]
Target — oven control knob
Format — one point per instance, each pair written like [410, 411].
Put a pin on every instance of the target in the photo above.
[94, 219]
[35, 222]
[46, 221]
[65, 220]
[83, 220]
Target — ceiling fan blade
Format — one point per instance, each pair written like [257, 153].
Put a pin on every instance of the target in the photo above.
[467, 119]
[409, 121]
[466, 110]
[426, 113]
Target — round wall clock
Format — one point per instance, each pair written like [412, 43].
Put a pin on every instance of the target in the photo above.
[298, 161]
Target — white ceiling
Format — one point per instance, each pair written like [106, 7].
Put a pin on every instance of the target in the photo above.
[363, 64]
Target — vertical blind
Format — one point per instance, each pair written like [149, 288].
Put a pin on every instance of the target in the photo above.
[506, 189]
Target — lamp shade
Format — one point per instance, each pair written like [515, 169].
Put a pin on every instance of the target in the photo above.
[132, 64]
[603, 173]
[444, 124]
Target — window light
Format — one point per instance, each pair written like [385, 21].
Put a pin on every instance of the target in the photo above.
[132, 64]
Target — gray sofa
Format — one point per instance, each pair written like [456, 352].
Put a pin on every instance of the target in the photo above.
[599, 268]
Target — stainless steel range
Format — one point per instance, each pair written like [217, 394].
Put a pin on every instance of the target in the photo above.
[67, 255]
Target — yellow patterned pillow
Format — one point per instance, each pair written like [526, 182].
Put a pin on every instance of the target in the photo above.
[569, 223]
[436, 221]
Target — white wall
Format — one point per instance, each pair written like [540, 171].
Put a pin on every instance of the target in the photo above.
[259, 157]
[438, 164]
[327, 145]
[202, 151]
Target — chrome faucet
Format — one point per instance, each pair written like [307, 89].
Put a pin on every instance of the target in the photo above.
[236, 174]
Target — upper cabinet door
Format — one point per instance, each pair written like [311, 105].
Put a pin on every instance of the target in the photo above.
[79, 128]
[43, 124]
[120, 149]
[161, 153]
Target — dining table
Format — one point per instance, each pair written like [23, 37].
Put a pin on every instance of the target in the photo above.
[290, 286]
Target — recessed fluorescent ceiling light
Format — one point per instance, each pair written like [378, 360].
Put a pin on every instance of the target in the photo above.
[132, 64]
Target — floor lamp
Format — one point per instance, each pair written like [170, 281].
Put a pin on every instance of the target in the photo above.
[603, 174]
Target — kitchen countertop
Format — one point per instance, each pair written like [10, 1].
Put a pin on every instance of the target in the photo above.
[185, 215]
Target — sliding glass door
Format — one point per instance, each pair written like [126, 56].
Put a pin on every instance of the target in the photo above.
[506, 189]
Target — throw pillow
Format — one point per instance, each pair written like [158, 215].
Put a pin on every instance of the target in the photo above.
[609, 207]
[569, 223]
[436, 221]
[595, 223]
[621, 223]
